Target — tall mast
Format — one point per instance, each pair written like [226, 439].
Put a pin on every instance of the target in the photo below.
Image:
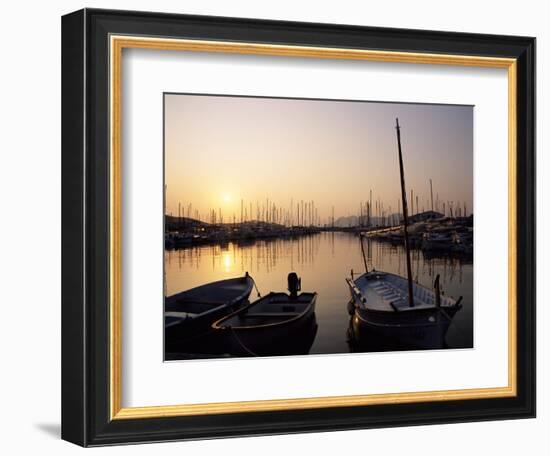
[432, 194]
[405, 214]
[370, 206]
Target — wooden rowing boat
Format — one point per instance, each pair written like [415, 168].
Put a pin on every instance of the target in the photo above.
[397, 310]
[382, 311]
[276, 324]
[192, 311]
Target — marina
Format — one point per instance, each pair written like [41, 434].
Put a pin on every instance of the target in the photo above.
[324, 261]
[435, 235]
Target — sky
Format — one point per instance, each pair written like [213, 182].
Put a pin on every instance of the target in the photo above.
[220, 150]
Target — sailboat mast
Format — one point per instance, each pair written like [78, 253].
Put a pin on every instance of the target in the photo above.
[405, 214]
[432, 194]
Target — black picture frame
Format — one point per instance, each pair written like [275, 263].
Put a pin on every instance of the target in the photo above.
[85, 228]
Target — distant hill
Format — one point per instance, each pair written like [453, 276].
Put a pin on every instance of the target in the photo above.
[173, 222]
[344, 222]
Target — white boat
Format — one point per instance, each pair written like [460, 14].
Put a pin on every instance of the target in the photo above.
[397, 310]
[382, 311]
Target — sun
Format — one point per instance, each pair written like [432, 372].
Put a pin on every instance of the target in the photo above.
[226, 197]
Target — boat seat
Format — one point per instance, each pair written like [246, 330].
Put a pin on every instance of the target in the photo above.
[390, 296]
[399, 304]
[403, 305]
[180, 314]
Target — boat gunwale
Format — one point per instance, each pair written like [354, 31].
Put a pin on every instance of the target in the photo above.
[244, 295]
[217, 325]
[415, 309]
[248, 279]
[358, 312]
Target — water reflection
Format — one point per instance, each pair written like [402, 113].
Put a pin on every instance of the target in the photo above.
[323, 261]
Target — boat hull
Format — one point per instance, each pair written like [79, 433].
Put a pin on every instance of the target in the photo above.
[188, 328]
[234, 294]
[291, 337]
[423, 330]
[295, 340]
[419, 328]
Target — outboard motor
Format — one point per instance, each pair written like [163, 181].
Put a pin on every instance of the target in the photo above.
[294, 284]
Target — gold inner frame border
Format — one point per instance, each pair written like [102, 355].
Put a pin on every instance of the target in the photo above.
[116, 46]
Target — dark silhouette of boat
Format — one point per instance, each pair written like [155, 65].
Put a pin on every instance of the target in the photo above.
[277, 324]
[193, 311]
[437, 241]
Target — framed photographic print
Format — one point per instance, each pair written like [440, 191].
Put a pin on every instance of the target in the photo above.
[276, 227]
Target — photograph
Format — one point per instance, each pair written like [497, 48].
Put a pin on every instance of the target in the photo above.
[316, 226]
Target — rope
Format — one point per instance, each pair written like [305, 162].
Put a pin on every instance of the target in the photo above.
[445, 314]
[243, 346]
[256, 287]
[363, 252]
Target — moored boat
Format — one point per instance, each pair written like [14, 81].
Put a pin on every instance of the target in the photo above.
[434, 241]
[382, 310]
[277, 324]
[397, 310]
[193, 311]
[463, 242]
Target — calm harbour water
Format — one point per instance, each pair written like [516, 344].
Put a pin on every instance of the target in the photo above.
[323, 261]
